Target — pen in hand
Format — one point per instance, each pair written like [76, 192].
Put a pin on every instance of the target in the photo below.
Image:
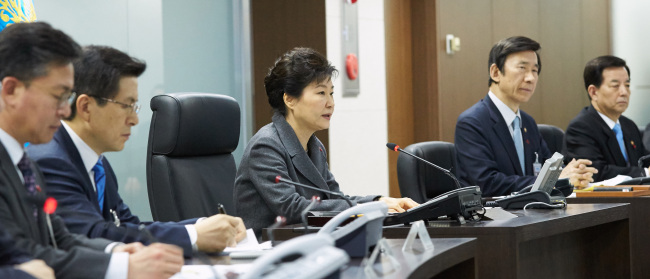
[222, 210]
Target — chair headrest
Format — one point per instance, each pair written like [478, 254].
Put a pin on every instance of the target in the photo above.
[194, 124]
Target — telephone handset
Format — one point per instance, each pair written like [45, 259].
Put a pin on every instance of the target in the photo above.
[636, 181]
[358, 236]
[318, 259]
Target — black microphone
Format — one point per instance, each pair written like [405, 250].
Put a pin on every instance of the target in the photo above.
[279, 178]
[642, 159]
[280, 221]
[49, 206]
[396, 148]
[314, 200]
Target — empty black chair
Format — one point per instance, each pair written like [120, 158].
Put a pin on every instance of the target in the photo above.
[420, 181]
[553, 136]
[190, 168]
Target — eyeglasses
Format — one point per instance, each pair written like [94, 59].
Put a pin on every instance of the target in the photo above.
[133, 107]
[66, 99]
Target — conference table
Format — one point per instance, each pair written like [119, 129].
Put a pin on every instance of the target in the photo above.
[639, 209]
[450, 258]
[580, 241]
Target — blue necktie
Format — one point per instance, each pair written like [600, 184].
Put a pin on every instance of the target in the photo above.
[30, 179]
[100, 182]
[519, 143]
[619, 138]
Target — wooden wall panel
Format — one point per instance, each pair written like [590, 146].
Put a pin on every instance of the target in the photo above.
[399, 87]
[463, 76]
[595, 29]
[562, 68]
[425, 75]
[278, 26]
[514, 18]
[571, 32]
[595, 34]
[519, 18]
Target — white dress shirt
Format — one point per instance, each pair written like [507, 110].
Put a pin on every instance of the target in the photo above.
[507, 113]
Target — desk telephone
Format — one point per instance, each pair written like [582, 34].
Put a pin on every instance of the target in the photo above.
[541, 194]
[317, 259]
[363, 233]
[461, 204]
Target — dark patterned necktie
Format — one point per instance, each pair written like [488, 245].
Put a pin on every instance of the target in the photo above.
[25, 168]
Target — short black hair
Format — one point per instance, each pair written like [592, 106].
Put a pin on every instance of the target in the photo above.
[294, 71]
[593, 73]
[28, 49]
[98, 72]
[505, 47]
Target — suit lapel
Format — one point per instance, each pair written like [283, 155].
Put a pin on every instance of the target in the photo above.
[16, 186]
[612, 144]
[502, 132]
[301, 161]
[64, 139]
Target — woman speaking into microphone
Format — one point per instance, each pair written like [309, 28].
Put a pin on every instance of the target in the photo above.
[300, 91]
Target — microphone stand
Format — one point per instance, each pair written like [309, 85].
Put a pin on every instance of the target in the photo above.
[396, 147]
[641, 160]
[279, 178]
[279, 222]
[49, 206]
[314, 201]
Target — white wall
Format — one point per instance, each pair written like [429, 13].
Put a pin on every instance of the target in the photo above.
[188, 46]
[134, 27]
[358, 130]
[630, 41]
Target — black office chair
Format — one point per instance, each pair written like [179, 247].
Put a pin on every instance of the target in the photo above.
[553, 136]
[190, 168]
[418, 180]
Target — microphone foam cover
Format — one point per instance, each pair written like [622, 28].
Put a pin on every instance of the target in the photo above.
[392, 146]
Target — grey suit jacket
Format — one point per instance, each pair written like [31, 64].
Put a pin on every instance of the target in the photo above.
[77, 256]
[275, 150]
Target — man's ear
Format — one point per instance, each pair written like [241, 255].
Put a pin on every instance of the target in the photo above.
[83, 108]
[11, 88]
[495, 74]
[593, 92]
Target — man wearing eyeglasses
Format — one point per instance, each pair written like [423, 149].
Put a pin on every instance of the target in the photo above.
[37, 77]
[81, 178]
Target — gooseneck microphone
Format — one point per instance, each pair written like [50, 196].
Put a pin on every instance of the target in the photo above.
[280, 221]
[314, 200]
[279, 178]
[641, 160]
[396, 148]
[49, 206]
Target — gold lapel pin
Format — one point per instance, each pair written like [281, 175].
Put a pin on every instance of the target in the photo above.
[525, 131]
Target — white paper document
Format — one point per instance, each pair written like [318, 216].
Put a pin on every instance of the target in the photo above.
[612, 181]
[208, 272]
[248, 244]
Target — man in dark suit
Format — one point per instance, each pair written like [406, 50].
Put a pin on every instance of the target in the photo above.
[101, 120]
[497, 143]
[37, 77]
[18, 264]
[600, 132]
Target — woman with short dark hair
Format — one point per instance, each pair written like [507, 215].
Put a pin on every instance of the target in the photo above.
[299, 88]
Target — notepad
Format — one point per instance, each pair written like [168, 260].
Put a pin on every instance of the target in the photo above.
[609, 182]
